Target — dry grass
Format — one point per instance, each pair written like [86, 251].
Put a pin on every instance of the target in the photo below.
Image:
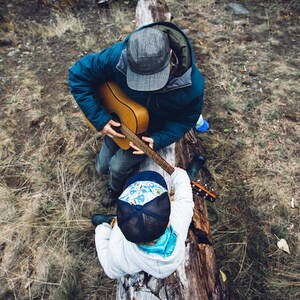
[57, 27]
[48, 184]
[254, 160]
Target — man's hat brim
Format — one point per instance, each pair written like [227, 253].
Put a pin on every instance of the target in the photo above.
[149, 82]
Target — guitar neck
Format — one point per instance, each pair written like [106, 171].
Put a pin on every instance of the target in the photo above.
[200, 190]
[147, 150]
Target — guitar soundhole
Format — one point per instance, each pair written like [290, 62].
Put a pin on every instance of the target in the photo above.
[116, 118]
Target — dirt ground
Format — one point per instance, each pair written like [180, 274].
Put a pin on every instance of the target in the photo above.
[48, 184]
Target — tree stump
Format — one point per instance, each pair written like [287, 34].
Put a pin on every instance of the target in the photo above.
[198, 277]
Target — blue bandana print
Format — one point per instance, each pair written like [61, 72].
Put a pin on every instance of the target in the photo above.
[164, 246]
[142, 192]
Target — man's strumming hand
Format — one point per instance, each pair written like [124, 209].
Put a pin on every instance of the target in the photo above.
[110, 132]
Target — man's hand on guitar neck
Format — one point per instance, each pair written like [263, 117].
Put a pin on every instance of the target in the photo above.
[147, 140]
[110, 132]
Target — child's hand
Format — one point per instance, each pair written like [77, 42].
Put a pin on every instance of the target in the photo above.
[113, 222]
[177, 168]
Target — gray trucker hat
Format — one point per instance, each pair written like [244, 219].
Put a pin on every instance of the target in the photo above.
[148, 54]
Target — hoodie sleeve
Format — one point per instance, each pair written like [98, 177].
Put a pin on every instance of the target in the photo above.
[84, 79]
[183, 206]
[102, 240]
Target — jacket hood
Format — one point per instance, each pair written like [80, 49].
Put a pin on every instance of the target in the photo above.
[180, 44]
[175, 35]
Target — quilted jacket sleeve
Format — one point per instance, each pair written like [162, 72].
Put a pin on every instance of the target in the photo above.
[181, 124]
[85, 76]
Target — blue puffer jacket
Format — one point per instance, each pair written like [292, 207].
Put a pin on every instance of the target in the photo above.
[173, 111]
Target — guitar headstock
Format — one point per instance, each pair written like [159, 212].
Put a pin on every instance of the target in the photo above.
[202, 191]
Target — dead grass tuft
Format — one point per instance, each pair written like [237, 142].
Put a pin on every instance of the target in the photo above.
[57, 28]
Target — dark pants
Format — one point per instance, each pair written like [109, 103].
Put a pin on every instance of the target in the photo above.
[119, 164]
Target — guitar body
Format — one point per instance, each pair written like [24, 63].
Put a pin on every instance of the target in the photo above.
[128, 112]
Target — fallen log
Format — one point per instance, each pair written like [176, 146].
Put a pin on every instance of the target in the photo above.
[198, 277]
[149, 11]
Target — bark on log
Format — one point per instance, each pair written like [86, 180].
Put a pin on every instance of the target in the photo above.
[198, 278]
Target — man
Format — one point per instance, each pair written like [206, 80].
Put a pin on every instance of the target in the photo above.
[155, 67]
[150, 232]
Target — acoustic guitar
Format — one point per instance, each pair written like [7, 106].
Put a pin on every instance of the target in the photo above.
[134, 119]
[125, 111]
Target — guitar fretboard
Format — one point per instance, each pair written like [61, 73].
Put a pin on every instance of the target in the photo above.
[200, 190]
[147, 150]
